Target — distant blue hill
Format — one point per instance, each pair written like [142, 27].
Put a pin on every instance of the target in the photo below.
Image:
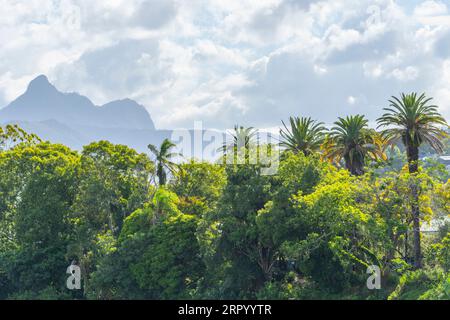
[72, 119]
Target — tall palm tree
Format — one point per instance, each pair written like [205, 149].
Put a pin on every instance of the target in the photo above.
[163, 157]
[413, 121]
[352, 141]
[305, 135]
[242, 137]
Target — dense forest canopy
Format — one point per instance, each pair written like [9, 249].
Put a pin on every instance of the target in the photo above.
[144, 227]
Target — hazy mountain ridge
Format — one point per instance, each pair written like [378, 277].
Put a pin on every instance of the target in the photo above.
[74, 120]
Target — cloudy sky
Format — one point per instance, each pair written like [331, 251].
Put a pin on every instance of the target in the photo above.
[252, 62]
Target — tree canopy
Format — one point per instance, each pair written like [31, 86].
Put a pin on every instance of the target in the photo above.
[228, 230]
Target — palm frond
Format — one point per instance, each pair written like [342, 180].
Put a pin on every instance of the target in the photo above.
[413, 120]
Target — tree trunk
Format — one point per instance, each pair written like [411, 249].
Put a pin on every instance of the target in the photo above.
[406, 253]
[413, 162]
[356, 168]
[161, 175]
[265, 261]
[416, 227]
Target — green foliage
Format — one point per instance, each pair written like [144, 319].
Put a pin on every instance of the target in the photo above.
[442, 250]
[247, 259]
[170, 265]
[422, 285]
[36, 212]
[11, 135]
[305, 135]
[158, 254]
[416, 121]
[114, 182]
[225, 231]
[330, 218]
[49, 293]
[242, 137]
[199, 186]
[412, 120]
[163, 157]
[353, 142]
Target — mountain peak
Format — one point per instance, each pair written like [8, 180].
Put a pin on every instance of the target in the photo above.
[40, 83]
[42, 101]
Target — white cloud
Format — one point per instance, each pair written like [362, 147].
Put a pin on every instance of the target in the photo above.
[441, 90]
[407, 74]
[431, 8]
[226, 62]
[433, 13]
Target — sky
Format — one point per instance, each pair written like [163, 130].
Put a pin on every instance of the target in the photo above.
[247, 62]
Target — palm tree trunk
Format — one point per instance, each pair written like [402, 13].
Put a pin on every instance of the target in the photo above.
[413, 159]
[350, 166]
[355, 168]
[161, 175]
[416, 228]
[413, 162]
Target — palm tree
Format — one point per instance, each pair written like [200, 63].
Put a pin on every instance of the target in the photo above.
[413, 121]
[353, 141]
[242, 137]
[163, 160]
[305, 135]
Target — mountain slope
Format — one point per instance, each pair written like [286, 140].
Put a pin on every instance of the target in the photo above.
[73, 120]
[42, 101]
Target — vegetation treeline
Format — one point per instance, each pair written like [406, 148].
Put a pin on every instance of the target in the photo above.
[147, 228]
